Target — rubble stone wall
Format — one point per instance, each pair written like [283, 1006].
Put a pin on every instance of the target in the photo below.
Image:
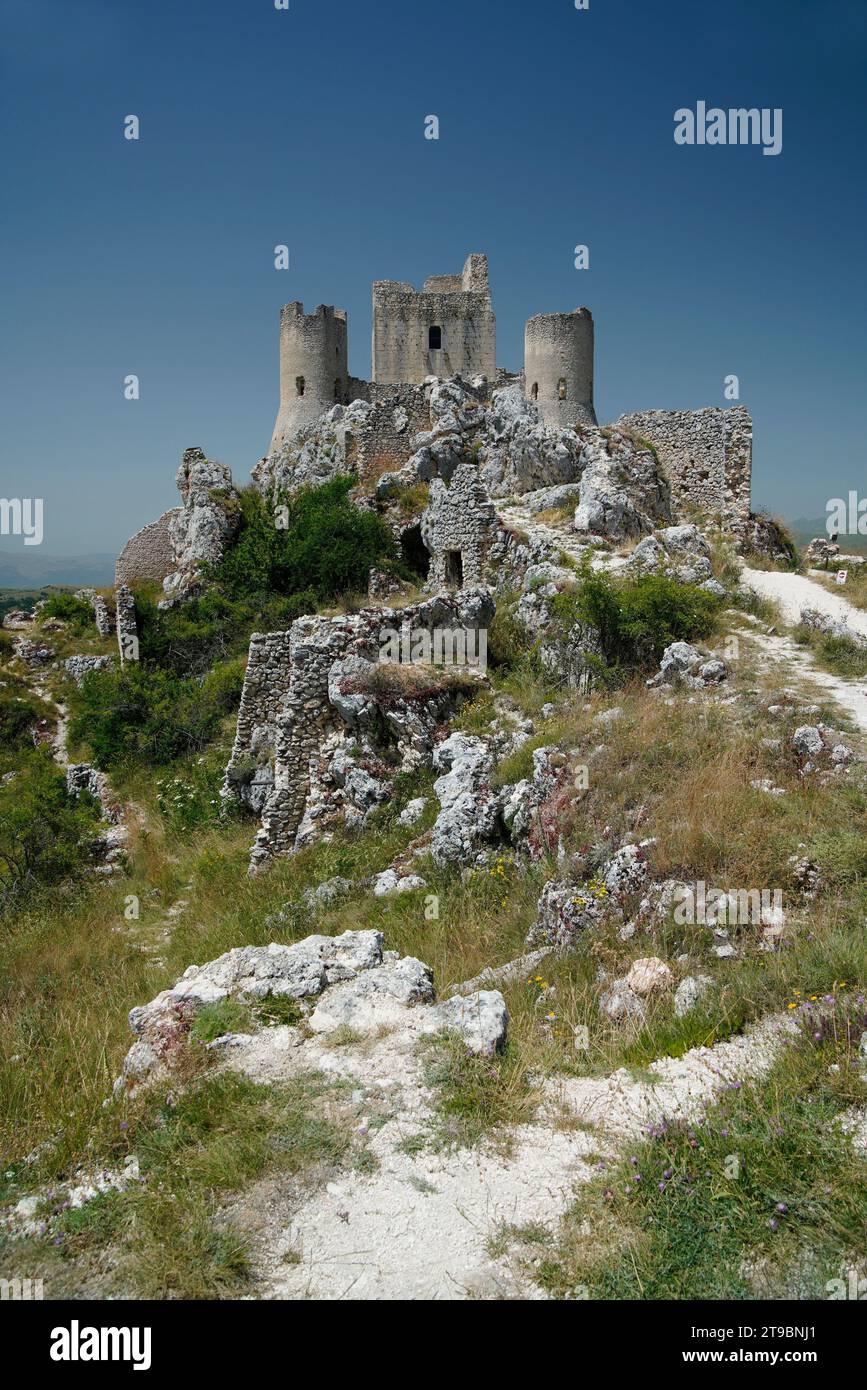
[149, 553]
[706, 454]
[458, 527]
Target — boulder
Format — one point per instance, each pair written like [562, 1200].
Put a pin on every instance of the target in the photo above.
[481, 1019]
[650, 975]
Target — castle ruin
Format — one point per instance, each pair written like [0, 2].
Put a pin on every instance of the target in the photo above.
[438, 411]
[446, 329]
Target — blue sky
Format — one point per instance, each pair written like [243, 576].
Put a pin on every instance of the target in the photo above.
[305, 127]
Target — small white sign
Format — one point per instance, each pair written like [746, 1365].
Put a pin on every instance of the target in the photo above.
[842, 576]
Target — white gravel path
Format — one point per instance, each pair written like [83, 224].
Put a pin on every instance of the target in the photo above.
[792, 592]
[420, 1226]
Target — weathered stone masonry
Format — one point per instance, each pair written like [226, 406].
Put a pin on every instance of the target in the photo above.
[249, 775]
[558, 367]
[447, 329]
[294, 709]
[459, 528]
[707, 455]
[127, 624]
[149, 553]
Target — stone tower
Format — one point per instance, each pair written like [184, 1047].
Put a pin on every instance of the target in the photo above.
[445, 329]
[558, 367]
[314, 370]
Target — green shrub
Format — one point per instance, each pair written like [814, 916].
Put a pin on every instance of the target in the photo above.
[189, 639]
[322, 543]
[140, 715]
[19, 711]
[637, 619]
[188, 801]
[77, 612]
[45, 834]
[843, 655]
[507, 638]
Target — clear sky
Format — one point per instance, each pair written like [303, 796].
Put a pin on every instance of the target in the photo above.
[306, 127]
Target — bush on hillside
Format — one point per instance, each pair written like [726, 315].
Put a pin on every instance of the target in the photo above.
[191, 638]
[19, 712]
[77, 612]
[140, 715]
[637, 619]
[45, 834]
[322, 543]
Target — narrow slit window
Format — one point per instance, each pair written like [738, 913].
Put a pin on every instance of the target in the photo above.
[434, 338]
[561, 388]
[299, 385]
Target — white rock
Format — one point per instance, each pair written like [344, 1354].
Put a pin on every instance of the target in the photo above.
[376, 999]
[481, 1019]
[412, 811]
[689, 992]
[648, 975]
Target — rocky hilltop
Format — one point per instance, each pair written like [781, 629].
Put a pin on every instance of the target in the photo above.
[438, 861]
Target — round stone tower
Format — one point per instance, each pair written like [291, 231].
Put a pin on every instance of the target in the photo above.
[314, 370]
[558, 367]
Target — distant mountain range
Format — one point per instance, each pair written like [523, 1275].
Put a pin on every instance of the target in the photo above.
[30, 570]
[805, 528]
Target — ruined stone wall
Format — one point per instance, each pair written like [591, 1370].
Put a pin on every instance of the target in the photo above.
[314, 645]
[249, 775]
[148, 554]
[292, 693]
[458, 527]
[126, 624]
[459, 306]
[101, 615]
[386, 437]
[706, 454]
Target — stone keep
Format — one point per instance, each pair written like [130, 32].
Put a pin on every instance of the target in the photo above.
[447, 329]
[314, 369]
[558, 367]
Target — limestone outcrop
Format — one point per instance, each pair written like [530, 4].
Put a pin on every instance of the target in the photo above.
[345, 981]
[202, 527]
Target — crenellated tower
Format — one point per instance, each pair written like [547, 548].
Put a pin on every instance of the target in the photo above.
[314, 367]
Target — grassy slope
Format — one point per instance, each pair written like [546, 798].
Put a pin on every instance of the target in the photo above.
[72, 969]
